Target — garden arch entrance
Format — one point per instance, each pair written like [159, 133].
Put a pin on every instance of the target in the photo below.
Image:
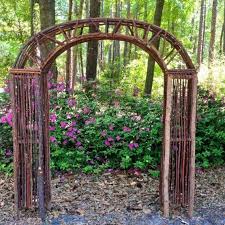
[30, 106]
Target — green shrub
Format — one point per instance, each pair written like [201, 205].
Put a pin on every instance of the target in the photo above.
[210, 136]
[107, 129]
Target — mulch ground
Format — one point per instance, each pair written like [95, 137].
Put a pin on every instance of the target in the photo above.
[117, 198]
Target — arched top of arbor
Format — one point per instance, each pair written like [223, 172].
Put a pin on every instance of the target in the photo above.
[43, 48]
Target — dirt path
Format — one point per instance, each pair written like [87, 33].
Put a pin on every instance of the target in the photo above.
[114, 199]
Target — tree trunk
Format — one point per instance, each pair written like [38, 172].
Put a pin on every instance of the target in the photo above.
[47, 19]
[126, 50]
[110, 53]
[116, 44]
[136, 17]
[101, 54]
[146, 10]
[221, 38]
[213, 32]
[203, 32]
[200, 33]
[69, 63]
[224, 29]
[78, 13]
[151, 61]
[92, 54]
[32, 2]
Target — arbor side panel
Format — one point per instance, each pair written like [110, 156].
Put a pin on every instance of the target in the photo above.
[182, 139]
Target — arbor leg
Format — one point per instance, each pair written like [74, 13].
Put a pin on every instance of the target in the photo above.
[166, 148]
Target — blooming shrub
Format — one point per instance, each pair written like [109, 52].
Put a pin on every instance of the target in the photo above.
[210, 136]
[105, 129]
[92, 134]
[6, 149]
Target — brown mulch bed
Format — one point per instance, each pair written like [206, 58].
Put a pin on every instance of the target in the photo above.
[94, 196]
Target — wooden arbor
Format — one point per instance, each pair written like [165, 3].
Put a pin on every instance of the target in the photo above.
[30, 107]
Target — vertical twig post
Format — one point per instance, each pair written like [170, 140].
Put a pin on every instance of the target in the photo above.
[193, 131]
[166, 152]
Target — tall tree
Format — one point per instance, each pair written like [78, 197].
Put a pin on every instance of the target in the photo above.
[213, 32]
[47, 19]
[78, 10]
[201, 33]
[116, 44]
[203, 38]
[126, 44]
[224, 29]
[101, 45]
[151, 61]
[32, 2]
[69, 64]
[92, 52]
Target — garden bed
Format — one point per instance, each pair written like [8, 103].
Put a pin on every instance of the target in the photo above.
[118, 198]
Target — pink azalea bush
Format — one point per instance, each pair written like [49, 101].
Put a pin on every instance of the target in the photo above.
[113, 131]
[87, 137]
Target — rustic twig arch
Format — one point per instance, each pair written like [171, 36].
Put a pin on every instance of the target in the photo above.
[30, 107]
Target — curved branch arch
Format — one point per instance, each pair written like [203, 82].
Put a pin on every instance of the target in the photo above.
[30, 102]
[136, 32]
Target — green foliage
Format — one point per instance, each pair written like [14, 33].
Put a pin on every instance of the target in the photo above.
[132, 76]
[210, 140]
[154, 173]
[106, 128]
[112, 131]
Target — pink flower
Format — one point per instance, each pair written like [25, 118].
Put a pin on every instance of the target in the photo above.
[52, 118]
[110, 139]
[71, 102]
[107, 143]
[86, 110]
[74, 123]
[118, 138]
[137, 172]
[133, 145]
[78, 144]
[90, 121]
[50, 85]
[60, 87]
[136, 145]
[103, 133]
[126, 129]
[70, 134]
[63, 124]
[116, 104]
[73, 138]
[111, 127]
[72, 129]
[3, 119]
[68, 116]
[65, 142]
[7, 118]
[77, 116]
[52, 139]
[6, 89]
[8, 153]
[51, 128]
